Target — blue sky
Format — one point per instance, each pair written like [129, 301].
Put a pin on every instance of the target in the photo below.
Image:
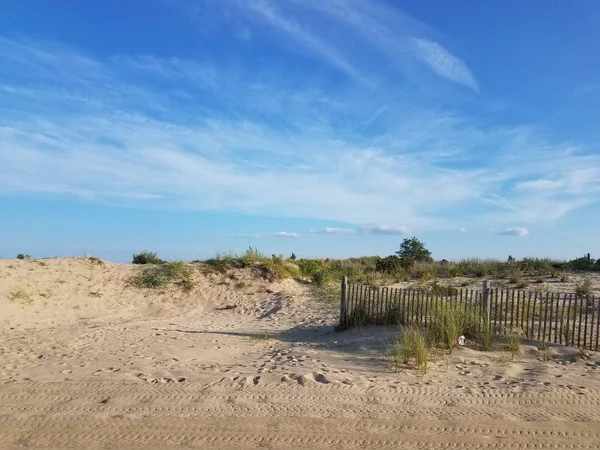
[328, 128]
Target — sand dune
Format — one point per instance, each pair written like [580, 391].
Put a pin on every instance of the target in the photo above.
[87, 361]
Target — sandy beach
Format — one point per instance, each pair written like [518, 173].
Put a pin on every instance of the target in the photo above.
[88, 361]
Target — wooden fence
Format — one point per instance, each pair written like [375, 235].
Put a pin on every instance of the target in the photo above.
[562, 318]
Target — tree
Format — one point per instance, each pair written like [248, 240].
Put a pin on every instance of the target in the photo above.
[412, 250]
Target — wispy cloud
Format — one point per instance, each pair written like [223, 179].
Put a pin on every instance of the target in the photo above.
[335, 230]
[273, 16]
[285, 234]
[162, 133]
[516, 231]
[384, 229]
[443, 63]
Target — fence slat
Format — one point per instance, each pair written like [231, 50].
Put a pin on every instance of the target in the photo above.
[512, 310]
[592, 323]
[403, 305]
[571, 323]
[368, 302]
[528, 333]
[549, 303]
[537, 294]
[586, 321]
[413, 315]
[501, 301]
[580, 322]
[516, 320]
[379, 304]
[523, 296]
[387, 302]
[598, 326]
[555, 322]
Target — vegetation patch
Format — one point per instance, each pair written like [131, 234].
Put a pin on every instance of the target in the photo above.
[160, 276]
[146, 257]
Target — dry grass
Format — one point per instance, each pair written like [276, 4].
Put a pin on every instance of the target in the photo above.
[19, 295]
[514, 342]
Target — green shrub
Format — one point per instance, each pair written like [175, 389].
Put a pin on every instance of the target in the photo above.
[23, 256]
[584, 264]
[146, 257]
[389, 264]
[316, 271]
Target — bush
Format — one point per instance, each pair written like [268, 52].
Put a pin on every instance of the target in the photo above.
[584, 264]
[146, 257]
[389, 264]
[316, 271]
[584, 289]
[514, 276]
[23, 256]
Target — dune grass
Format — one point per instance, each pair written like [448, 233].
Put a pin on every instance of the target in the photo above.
[411, 348]
[160, 276]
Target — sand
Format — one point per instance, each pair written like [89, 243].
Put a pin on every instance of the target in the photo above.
[88, 362]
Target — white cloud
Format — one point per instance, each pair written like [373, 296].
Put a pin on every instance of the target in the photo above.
[517, 231]
[334, 230]
[443, 63]
[384, 229]
[539, 185]
[285, 234]
[463, 230]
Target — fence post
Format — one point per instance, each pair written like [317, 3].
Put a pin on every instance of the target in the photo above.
[343, 302]
[486, 303]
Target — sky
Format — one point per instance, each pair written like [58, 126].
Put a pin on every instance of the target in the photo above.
[324, 128]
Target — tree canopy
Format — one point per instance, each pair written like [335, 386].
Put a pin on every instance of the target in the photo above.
[412, 250]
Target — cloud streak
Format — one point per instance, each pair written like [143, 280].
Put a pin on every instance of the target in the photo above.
[516, 231]
[443, 63]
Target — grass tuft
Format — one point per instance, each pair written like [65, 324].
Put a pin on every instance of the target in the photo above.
[412, 347]
[448, 324]
[19, 295]
[487, 336]
[514, 342]
[544, 351]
